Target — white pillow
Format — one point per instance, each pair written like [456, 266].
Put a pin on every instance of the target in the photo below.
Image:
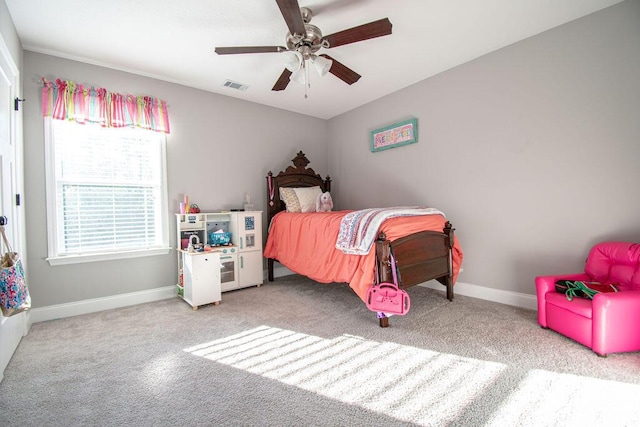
[307, 197]
[288, 196]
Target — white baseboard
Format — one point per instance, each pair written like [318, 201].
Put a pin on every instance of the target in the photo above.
[482, 292]
[93, 305]
[60, 311]
[124, 300]
[98, 304]
[516, 299]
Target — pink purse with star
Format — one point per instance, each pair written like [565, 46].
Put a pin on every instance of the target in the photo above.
[387, 297]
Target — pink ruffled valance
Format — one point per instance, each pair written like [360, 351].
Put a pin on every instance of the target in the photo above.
[67, 100]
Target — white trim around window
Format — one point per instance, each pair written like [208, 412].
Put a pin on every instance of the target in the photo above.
[101, 206]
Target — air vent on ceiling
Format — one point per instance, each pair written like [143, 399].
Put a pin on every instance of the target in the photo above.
[235, 85]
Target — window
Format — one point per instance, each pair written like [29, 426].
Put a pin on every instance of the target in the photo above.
[106, 192]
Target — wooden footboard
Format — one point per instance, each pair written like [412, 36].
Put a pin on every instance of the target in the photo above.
[420, 257]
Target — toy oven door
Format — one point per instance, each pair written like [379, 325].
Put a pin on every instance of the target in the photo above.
[228, 272]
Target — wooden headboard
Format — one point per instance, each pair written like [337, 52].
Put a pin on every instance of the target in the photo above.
[298, 175]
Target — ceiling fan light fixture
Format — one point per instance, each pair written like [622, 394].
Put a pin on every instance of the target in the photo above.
[293, 61]
[298, 76]
[322, 65]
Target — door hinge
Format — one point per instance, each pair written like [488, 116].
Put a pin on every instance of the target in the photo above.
[17, 200]
[16, 103]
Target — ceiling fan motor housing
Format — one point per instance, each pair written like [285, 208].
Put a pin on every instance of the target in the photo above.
[312, 39]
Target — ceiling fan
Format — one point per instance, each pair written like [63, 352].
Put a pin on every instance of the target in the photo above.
[304, 40]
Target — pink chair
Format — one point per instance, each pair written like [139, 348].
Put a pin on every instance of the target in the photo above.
[610, 323]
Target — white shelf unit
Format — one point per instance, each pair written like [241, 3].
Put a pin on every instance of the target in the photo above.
[237, 265]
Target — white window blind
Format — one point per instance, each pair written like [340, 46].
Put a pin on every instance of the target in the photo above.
[106, 190]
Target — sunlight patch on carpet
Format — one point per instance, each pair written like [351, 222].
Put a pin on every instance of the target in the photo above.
[404, 382]
[547, 398]
[160, 373]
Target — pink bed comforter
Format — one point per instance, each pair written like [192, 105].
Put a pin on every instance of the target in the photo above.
[306, 244]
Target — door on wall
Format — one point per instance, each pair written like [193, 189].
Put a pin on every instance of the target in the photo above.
[12, 328]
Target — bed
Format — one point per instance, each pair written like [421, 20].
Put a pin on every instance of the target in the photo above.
[424, 246]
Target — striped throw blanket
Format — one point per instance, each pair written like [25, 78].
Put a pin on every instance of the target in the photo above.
[359, 229]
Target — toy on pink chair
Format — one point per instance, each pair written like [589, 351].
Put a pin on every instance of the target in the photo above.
[610, 323]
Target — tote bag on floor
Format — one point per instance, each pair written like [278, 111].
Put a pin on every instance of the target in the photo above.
[14, 295]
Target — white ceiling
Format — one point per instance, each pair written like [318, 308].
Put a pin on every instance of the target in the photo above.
[175, 40]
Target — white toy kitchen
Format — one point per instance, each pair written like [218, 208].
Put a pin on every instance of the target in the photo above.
[218, 252]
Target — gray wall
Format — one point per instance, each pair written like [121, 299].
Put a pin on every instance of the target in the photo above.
[219, 148]
[531, 151]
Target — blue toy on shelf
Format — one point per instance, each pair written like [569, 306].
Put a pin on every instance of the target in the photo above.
[220, 239]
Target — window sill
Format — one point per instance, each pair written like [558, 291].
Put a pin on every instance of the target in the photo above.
[109, 256]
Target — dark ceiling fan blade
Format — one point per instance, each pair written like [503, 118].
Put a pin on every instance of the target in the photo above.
[283, 80]
[249, 49]
[291, 13]
[371, 30]
[342, 72]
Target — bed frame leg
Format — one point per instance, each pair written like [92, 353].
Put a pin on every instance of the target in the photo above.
[270, 269]
[384, 320]
[447, 281]
[448, 231]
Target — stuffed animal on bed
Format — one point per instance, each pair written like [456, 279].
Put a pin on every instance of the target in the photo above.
[324, 203]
